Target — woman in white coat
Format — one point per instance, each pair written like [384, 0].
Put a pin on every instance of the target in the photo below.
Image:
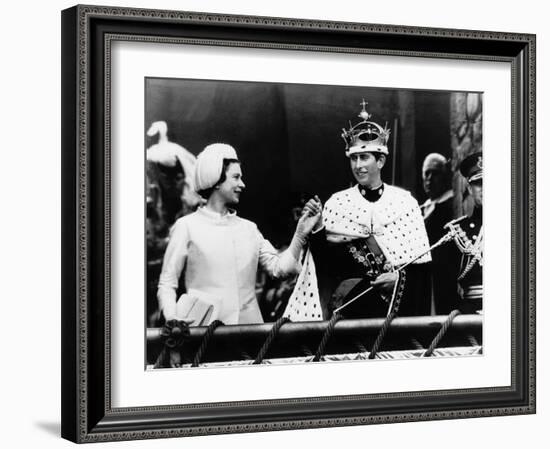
[218, 252]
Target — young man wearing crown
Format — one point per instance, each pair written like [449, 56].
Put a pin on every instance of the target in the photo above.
[369, 251]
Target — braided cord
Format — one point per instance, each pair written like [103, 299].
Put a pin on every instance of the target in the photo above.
[270, 337]
[476, 255]
[467, 269]
[326, 337]
[382, 334]
[204, 343]
[441, 333]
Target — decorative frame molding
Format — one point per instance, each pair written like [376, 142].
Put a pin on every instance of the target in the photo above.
[87, 34]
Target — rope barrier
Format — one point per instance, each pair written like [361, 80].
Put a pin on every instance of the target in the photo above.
[270, 337]
[381, 334]
[204, 343]
[326, 337]
[369, 337]
[445, 326]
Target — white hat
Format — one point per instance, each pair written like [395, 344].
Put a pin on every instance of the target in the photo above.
[208, 170]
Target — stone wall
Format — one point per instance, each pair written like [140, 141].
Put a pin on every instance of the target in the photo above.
[466, 138]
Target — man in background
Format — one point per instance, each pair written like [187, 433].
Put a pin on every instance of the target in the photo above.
[437, 211]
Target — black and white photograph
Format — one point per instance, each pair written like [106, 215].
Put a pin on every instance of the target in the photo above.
[302, 223]
[285, 223]
[234, 224]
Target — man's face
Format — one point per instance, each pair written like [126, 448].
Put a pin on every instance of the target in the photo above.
[433, 178]
[230, 190]
[476, 189]
[365, 168]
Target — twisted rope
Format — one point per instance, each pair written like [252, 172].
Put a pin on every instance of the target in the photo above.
[382, 334]
[326, 337]
[441, 333]
[270, 337]
[204, 343]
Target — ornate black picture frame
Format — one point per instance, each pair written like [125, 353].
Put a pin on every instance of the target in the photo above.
[87, 35]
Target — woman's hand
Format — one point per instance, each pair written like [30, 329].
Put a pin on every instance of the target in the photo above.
[311, 217]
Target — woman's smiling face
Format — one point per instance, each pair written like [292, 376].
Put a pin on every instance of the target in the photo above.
[230, 190]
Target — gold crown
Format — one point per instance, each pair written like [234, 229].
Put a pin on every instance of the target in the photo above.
[366, 135]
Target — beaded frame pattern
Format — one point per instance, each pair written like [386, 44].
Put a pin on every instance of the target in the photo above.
[84, 13]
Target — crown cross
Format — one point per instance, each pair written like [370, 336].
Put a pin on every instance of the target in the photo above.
[364, 114]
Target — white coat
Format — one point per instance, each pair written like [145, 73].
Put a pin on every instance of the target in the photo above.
[219, 256]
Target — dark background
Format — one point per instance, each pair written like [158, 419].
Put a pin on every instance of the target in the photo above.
[288, 136]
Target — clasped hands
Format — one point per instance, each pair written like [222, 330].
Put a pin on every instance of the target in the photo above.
[311, 217]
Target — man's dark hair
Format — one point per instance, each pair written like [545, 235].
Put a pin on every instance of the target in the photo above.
[226, 163]
[378, 156]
